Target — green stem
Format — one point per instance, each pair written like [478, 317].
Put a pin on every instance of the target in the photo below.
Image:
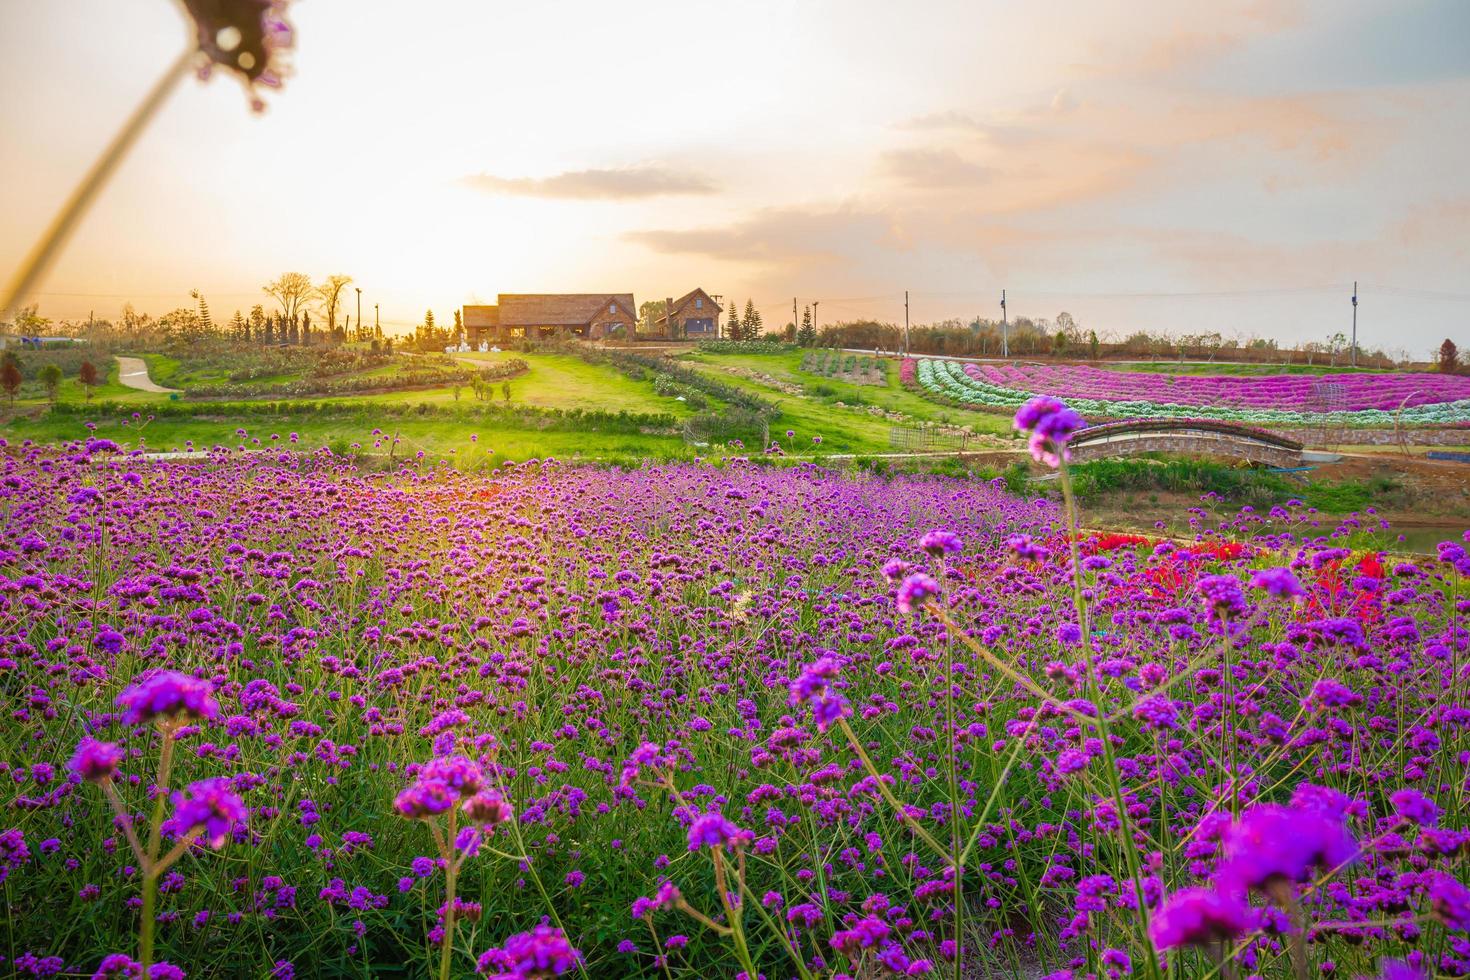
[732, 914]
[151, 868]
[451, 872]
[887, 794]
[45, 251]
[954, 806]
[1115, 786]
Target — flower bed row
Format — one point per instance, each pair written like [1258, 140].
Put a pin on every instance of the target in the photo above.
[989, 388]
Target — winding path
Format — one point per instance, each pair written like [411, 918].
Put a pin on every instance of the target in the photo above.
[132, 372]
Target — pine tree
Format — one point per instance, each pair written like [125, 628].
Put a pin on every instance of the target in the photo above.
[734, 329]
[206, 323]
[807, 335]
[257, 324]
[270, 331]
[750, 327]
[305, 329]
[239, 329]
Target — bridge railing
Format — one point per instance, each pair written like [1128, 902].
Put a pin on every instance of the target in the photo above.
[1106, 430]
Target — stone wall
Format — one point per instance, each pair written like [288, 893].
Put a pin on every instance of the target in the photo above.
[1186, 443]
[1379, 437]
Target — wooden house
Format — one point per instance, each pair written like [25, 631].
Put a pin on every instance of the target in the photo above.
[695, 315]
[541, 316]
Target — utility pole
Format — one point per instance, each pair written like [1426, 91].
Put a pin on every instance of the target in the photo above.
[795, 320]
[815, 303]
[1355, 323]
[359, 308]
[906, 322]
[376, 328]
[1005, 330]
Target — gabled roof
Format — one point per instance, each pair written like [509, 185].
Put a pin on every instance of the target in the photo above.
[688, 299]
[560, 309]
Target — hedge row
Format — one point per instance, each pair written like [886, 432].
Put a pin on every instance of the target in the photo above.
[508, 416]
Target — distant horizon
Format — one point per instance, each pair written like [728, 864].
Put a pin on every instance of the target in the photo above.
[1163, 169]
[776, 318]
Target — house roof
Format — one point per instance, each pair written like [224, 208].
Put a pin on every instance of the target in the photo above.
[559, 309]
[482, 316]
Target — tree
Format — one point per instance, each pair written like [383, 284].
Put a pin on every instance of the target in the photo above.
[330, 293]
[648, 313]
[257, 328]
[735, 330]
[458, 328]
[505, 390]
[1335, 344]
[292, 290]
[1092, 344]
[807, 335]
[1449, 357]
[239, 329]
[87, 375]
[206, 322]
[750, 323]
[28, 322]
[10, 376]
[1059, 342]
[50, 376]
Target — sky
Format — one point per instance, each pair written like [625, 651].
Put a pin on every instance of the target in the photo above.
[1141, 164]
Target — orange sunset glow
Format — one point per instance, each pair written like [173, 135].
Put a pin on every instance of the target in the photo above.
[1117, 160]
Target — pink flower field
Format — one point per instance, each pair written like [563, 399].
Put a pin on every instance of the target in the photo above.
[1385, 392]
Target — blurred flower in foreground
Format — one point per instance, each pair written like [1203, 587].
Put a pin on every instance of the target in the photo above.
[248, 37]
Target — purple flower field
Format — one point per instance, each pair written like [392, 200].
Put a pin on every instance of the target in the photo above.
[1384, 392]
[271, 715]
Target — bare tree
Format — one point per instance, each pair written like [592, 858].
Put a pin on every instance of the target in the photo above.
[291, 291]
[329, 292]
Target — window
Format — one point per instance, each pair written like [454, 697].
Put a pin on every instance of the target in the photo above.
[699, 304]
[612, 309]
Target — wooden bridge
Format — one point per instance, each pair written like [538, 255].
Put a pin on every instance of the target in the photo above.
[1186, 437]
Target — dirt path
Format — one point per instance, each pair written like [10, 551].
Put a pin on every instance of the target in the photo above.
[132, 372]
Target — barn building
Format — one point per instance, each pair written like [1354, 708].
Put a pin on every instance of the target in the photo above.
[538, 316]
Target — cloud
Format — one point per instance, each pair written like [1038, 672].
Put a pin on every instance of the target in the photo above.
[927, 169]
[1176, 43]
[781, 235]
[610, 184]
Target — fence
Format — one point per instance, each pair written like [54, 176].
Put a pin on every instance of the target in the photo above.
[916, 439]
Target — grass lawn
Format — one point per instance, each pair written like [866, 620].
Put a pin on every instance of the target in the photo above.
[816, 411]
[555, 381]
[33, 396]
[563, 381]
[169, 372]
[437, 436]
